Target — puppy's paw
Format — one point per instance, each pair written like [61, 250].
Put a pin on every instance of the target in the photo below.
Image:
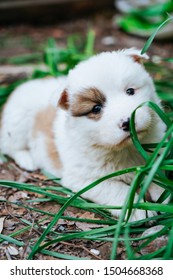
[24, 160]
[138, 215]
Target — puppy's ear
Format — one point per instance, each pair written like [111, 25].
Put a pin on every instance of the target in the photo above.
[64, 101]
[136, 55]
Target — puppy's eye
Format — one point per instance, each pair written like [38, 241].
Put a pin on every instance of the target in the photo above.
[130, 91]
[96, 109]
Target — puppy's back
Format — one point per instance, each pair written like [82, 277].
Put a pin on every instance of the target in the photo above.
[19, 112]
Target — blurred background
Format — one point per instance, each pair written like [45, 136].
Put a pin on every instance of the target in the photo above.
[84, 27]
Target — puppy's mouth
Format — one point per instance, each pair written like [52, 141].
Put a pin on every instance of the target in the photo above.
[127, 139]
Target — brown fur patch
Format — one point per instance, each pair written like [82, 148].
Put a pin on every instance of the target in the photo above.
[63, 101]
[44, 123]
[84, 102]
[138, 58]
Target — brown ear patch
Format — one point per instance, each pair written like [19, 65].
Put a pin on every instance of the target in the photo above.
[84, 102]
[63, 101]
[139, 58]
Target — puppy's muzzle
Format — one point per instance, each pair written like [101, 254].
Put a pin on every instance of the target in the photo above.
[125, 125]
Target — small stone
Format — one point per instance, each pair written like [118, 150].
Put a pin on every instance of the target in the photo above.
[95, 252]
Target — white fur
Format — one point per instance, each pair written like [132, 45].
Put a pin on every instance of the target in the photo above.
[88, 149]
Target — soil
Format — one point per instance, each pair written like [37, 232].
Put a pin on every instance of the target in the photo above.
[24, 39]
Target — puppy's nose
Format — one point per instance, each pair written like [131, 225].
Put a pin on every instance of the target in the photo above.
[125, 125]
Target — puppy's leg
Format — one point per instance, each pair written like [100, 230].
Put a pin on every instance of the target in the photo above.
[24, 159]
[115, 193]
[155, 192]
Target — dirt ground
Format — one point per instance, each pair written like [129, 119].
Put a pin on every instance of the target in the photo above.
[22, 39]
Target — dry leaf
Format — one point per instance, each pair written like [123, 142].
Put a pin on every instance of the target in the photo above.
[83, 225]
[24, 176]
[12, 251]
[87, 226]
[18, 211]
[8, 256]
[4, 212]
[17, 196]
[7, 175]
[87, 215]
[38, 176]
[45, 222]
[9, 224]
[2, 224]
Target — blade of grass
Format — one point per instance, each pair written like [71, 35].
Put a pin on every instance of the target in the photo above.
[153, 35]
[89, 48]
[124, 210]
[61, 256]
[169, 248]
[11, 240]
[155, 165]
[129, 251]
[167, 208]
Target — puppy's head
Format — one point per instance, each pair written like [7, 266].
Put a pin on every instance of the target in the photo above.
[102, 93]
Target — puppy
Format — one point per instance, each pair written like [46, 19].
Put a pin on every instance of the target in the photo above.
[77, 127]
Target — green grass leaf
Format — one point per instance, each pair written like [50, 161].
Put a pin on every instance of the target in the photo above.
[153, 35]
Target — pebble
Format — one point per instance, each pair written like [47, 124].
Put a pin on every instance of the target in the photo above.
[95, 252]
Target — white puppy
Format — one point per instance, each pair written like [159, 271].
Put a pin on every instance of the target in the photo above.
[86, 134]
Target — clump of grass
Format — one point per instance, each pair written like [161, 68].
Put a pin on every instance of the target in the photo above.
[60, 61]
[157, 168]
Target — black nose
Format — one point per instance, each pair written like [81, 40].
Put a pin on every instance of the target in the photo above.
[126, 125]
